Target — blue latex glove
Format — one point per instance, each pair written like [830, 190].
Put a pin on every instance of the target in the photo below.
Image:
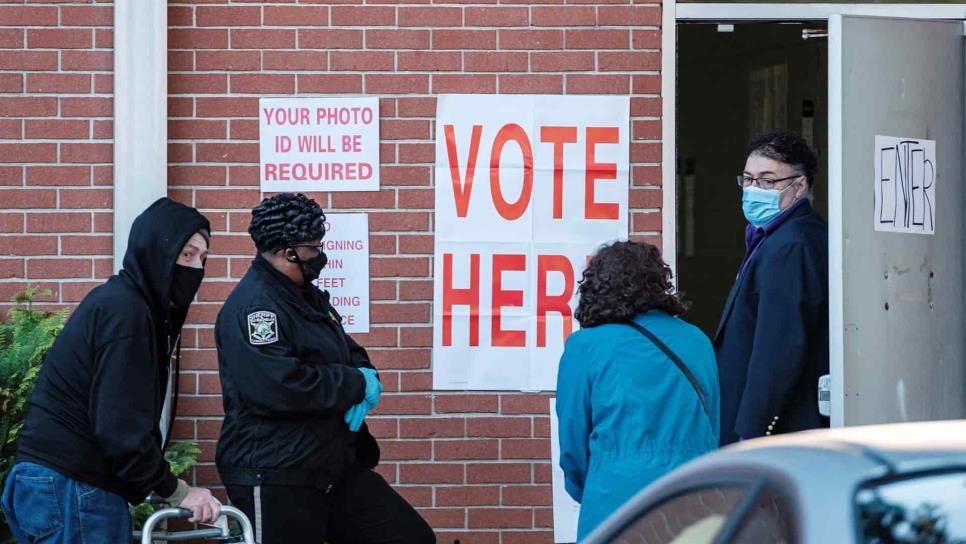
[373, 387]
[356, 415]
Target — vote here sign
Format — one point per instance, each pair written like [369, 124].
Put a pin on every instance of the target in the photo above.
[318, 144]
[527, 187]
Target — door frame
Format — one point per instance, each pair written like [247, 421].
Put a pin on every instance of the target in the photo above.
[673, 12]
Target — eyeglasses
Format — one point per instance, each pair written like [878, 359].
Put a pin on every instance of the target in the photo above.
[763, 183]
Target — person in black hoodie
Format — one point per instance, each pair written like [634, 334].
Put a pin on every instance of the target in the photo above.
[294, 453]
[91, 442]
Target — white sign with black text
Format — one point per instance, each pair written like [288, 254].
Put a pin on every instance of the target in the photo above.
[905, 185]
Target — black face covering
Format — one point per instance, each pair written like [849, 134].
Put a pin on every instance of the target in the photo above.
[185, 284]
[311, 268]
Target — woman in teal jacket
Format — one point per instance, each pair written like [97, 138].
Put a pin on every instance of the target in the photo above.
[627, 413]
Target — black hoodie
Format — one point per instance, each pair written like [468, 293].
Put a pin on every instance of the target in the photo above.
[97, 402]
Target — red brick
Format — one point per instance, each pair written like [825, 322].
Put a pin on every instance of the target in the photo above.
[11, 129]
[200, 129]
[197, 83]
[646, 129]
[330, 83]
[646, 84]
[361, 61]
[200, 406]
[103, 222]
[103, 130]
[628, 61]
[230, 16]
[180, 152]
[263, 83]
[294, 60]
[562, 61]
[404, 404]
[11, 222]
[59, 222]
[527, 495]
[243, 129]
[525, 448]
[444, 517]
[11, 176]
[227, 107]
[180, 106]
[19, 153]
[526, 537]
[181, 61]
[11, 268]
[28, 246]
[181, 16]
[11, 38]
[435, 16]
[466, 404]
[645, 199]
[396, 83]
[86, 198]
[629, 15]
[498, 473]
[59, 268]
[50, 129]
[496, 61]
[531, 84]
[645, 152]
[564, 16]
[103, 83]
[330, 39]
[262, 39]
[221, 198]
[86, 16]
[488, 495]
[86, 245]
[28, 198]
[11, 83]
[28, 16]
[397, 39]
[28, 106]
[531, 39]
[299, 16]
[597, 39]
[221, 152]
[415, 381]
[647, 39]
[59, 38]
[404, 129]
[497, 16]
[28, 60]
[242, 176]
[498, 427]
[406, 450]
[416, 153]
[463, 83]
[646, 176]
[103, 38]
[423, 61]
[457, 450]
[597, 84]
[432, 428]
[415, 290]
[87, 153]
[363, 16]
[197, 38]
[86, 107]
[431, 473]
[464, 39]
[75, 291]
[228, 60]
[87, 60]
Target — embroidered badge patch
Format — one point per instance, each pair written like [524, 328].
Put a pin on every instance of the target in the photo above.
[262, 328]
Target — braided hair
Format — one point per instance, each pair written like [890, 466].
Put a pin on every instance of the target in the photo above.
[285, 220]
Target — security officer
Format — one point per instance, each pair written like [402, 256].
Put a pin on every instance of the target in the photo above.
[295, 454]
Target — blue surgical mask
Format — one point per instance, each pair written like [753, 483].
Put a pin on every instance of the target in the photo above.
[761, 205]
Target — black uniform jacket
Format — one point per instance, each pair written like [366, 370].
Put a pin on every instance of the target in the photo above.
[288, 375]
[772, 342]
[97, 402]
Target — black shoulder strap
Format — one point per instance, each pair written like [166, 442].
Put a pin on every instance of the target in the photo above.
[677, 362]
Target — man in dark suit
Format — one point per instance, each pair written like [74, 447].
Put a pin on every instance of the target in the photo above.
[772, 341]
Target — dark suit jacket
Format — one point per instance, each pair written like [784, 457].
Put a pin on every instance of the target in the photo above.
[772, 341]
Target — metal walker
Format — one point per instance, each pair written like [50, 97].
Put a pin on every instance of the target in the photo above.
[218, 533]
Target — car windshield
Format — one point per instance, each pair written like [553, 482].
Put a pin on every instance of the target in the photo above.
[926, 509]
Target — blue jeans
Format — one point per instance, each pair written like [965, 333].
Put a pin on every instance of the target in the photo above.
[43, 506]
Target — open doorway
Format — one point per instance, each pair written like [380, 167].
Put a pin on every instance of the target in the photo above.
[734, 82]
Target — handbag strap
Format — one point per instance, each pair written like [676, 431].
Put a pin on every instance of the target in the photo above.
[677, 362]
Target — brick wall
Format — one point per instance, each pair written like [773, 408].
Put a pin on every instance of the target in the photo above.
[55, 148]
[476, 465]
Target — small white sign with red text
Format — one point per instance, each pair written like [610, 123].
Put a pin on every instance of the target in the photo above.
[527, 188]
[318, 144]
[346, 276]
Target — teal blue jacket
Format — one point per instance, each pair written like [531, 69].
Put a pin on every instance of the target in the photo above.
[627, 415]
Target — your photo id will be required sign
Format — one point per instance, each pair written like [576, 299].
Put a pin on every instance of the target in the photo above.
[318, 144]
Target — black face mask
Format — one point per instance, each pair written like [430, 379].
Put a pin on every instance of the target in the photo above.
[185, 284]
[311, 268]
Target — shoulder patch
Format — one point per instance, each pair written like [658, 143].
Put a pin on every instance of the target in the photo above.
[262, 328]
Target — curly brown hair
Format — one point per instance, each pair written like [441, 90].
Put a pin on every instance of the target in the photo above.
[625, 279]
